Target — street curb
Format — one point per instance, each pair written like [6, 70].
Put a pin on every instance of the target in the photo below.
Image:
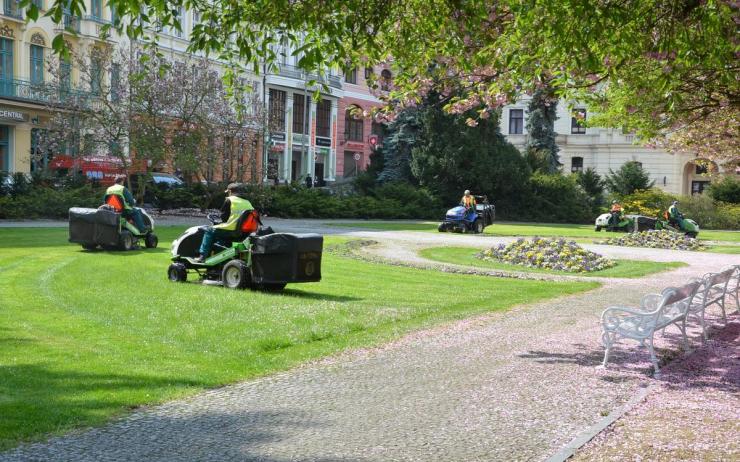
[584, 437]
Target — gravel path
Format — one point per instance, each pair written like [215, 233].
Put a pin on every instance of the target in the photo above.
[507, 386]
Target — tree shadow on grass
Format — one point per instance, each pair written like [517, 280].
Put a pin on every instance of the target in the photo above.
[41, 401]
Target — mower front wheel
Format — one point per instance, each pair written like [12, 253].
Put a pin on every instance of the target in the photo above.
[442, 228]
[177, 272]
[89, 246]
[235, 275]
[151, 240]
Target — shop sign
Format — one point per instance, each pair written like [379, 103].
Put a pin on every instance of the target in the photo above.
[323, 142]
[9, 114]
[277, 136]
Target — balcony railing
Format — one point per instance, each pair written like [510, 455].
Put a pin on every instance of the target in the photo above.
[69, 22]
[43, 93]
[10, 8]
[294, 72]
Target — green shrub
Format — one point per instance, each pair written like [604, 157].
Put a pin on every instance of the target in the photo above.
[629, 178]
[49, 203]
[649, 202]
[556, 198]
[710, 214]
[726, 190]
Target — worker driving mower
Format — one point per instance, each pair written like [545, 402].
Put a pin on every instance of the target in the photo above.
[241, 253]
[117, 224]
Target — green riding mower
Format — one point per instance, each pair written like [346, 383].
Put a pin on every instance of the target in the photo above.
[261, 260]
[106, 228]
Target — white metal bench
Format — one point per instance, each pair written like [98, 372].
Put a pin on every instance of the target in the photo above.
[656, 312]
[733, 287]
[713, 291]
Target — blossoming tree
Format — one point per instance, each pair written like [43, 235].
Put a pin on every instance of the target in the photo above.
[661, 68]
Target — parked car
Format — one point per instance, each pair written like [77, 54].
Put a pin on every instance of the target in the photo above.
[155, 182]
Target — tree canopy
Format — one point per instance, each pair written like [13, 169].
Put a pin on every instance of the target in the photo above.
[656, 67]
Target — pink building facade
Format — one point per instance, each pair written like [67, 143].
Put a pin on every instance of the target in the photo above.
[354, 124]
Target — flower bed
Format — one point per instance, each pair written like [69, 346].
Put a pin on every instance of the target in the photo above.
[662, 239]
[551, 254]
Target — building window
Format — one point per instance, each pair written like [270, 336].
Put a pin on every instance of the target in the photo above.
[323, 118]
[39, 4]
[96, 76]
[300, 118]
[113, 14]
[179, 17]
[386, 79]
[6, 68]
[576, 164]
[115, 81]
[368, 73]
[96, 9]
[277, 110]
[37, 64]
[351, 76]
[697, 187]
[516, 121]
[701, 169]
[576, 122]
[353, 124]
[4, 148]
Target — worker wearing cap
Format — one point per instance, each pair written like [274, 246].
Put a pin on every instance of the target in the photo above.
[616, 213]
[674, 216]
[123, 201]
[233, 208]
[468, 201]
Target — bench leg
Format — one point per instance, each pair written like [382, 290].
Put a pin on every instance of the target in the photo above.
[683, 333]
[608, 341]
[722, 305]
[653, 358]
[703, 323]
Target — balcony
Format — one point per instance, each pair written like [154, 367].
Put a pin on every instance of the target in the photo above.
[294, 72]
[69, 23]
[46, 94]
[12, 10]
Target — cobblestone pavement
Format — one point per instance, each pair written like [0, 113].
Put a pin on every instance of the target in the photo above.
[506, 386]
[693, 415]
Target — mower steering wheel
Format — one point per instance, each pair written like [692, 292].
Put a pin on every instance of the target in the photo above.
[214, 218]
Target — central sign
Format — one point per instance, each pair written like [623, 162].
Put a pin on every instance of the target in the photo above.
[9, 114]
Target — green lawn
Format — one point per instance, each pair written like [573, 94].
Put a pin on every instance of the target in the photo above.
[89, 335]
[524, 229]
[623, 269]
[731, 249]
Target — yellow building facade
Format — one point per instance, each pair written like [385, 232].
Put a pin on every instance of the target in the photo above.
[25, 51]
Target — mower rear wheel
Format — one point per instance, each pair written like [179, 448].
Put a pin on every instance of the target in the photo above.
[177, 272]
[235, 275]
[478, 226]
[89, 246]
[126, 240]
[597, 228]
[442, 228]
[692, 234]
[151, 240]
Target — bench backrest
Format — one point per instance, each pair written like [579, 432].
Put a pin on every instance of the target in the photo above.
[684, 293]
